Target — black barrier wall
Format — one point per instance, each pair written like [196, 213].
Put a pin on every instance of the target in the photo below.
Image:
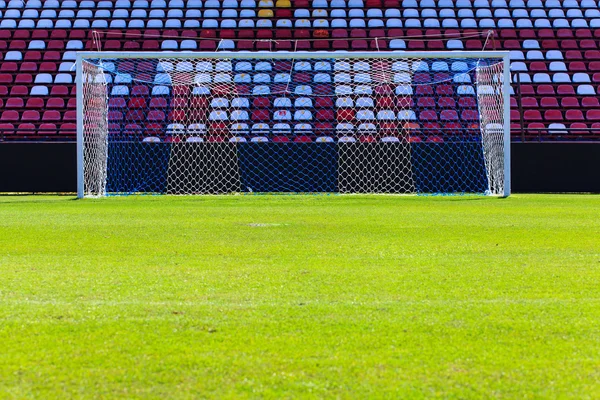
[38, 167]
[536, 167]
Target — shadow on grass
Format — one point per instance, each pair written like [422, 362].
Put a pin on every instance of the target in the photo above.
[23, 198]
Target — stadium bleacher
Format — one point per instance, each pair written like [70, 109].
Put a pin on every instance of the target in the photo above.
[554, 45]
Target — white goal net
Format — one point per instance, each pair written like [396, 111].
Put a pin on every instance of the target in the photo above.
[210, 123]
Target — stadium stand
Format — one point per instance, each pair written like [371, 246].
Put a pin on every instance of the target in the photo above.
[554, 49]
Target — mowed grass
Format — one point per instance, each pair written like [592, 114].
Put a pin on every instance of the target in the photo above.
[300, 297]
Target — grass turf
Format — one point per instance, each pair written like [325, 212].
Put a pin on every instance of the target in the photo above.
[300, 296]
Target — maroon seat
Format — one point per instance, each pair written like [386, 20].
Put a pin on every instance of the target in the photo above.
[428, 115]
[135, 116]
[469, 115]
[7, 129]
[151, 45]
[51, 115]
[592, 55]
[529, 102]
[59, 90]
[156, 115]
[594, 66]
[57, 34]
[70, 115]
[47, 129]
[536, 128]
[467, 102]
[68, 129]
[26, 129]
[283, 45]
[9, 67]
[565, 90]
[55, 45]
[48, 66]
[30, 115]
[112, 45]
[339, 33]
[325, 115]
[17, 45]
[446, 102]
[19, 91]
[569, 102]
[9, 116]
[345, 115]
[303, 139]
[208, 45]
[115, 116]
[545, 90]
[261, 102]
[132, 129]
[161, 102]
[35, 103]
[577, 66]
[426, 102]
[553, 115]
[321, 45]
[323, 102]
[137, 102]
[116, 103]
[590, 102]
[593, 115]
[574, 115]
[6, 79]
[573, 55]
[538, 66]
[260, 115]
[549, 102]
[25, 79]
[52, 56]
[532, 115]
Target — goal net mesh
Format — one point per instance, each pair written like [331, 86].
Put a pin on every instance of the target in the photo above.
[241, 124]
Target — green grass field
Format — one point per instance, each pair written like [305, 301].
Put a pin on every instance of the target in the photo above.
[300, 297]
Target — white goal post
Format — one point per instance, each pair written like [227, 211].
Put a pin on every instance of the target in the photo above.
[293, 122]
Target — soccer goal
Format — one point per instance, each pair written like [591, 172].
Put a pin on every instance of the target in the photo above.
[281, 122]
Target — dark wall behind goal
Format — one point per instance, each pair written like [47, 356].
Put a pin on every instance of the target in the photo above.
[536, 167]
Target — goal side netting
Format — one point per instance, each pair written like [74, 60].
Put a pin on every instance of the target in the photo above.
[184, 123]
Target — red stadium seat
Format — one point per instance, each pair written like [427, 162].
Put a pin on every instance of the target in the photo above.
[47, 129]
[529, 102]
[325, 115]
[590, 102]
[59, 90]
[9, 116]
[553, 115]
[574, 115]
[549, 102]
[68, 129]
[569, 102]
[9, 67]
[323, 102]
[593, 115]
[532, 115]
[260, 115]
[51, 116]
[340, 45]
[31, 115]
[35, 103]
[428, 115]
